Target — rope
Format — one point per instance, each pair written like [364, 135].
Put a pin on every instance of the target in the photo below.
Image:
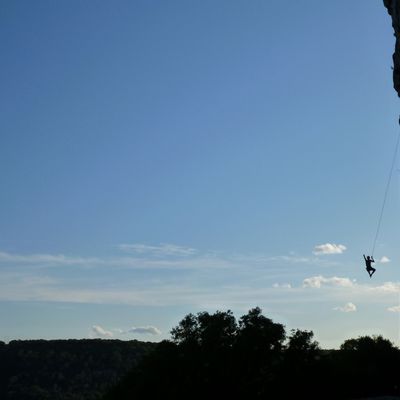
[398, 318]
[386, 192]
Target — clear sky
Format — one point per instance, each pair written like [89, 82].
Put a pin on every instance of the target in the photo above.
[159, 158]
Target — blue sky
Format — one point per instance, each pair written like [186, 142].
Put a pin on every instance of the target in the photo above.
[159, 158]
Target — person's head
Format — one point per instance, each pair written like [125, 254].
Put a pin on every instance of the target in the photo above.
[368, 257]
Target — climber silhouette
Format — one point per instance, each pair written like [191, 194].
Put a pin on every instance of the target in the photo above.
[368, 261]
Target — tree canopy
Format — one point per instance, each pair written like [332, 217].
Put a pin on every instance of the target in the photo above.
[213, 355]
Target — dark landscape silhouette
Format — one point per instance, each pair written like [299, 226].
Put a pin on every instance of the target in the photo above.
[214, 356]
[208, 356]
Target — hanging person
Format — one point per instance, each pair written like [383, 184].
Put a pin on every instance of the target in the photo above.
[368, 261]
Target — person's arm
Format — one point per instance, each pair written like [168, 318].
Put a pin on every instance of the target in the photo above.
[364, 257]
[372, 259]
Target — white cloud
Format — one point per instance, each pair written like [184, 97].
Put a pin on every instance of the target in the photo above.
[98, 331]
[282, 285]
[144, 330]
[394, 309]
[314, 281]
[318, 281]
[348, 307]
[384, 260]
[164, 249]
[329, 248]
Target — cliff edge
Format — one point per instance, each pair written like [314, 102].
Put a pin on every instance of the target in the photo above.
[393, 7]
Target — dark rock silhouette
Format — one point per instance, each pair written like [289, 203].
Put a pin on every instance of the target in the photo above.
[393, 7]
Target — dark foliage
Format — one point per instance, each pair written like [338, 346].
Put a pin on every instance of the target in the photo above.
[65, 369]
[369, 366]
[213, 356]
[208, 356]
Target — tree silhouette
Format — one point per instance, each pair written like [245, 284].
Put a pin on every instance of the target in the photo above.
[187, 331]
[302, 363]
[257, 354]
[370, 366]
[212, 355]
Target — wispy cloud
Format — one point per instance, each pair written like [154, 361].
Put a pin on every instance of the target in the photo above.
[145, 261]
[292, 259]
[286, 260]
[204, 279]
[165, 256]
[46, 259]
[98, 331]
[329, 248]
[394, 309]
[387, 287]
[321, 281]
[162, 250]
[348, 307]
[201, 296]
[384, 260]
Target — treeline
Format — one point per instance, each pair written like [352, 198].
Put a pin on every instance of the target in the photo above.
[65, 369]
[215, 356]
[208, 356]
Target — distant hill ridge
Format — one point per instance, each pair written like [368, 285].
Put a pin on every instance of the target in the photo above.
[65, 369]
